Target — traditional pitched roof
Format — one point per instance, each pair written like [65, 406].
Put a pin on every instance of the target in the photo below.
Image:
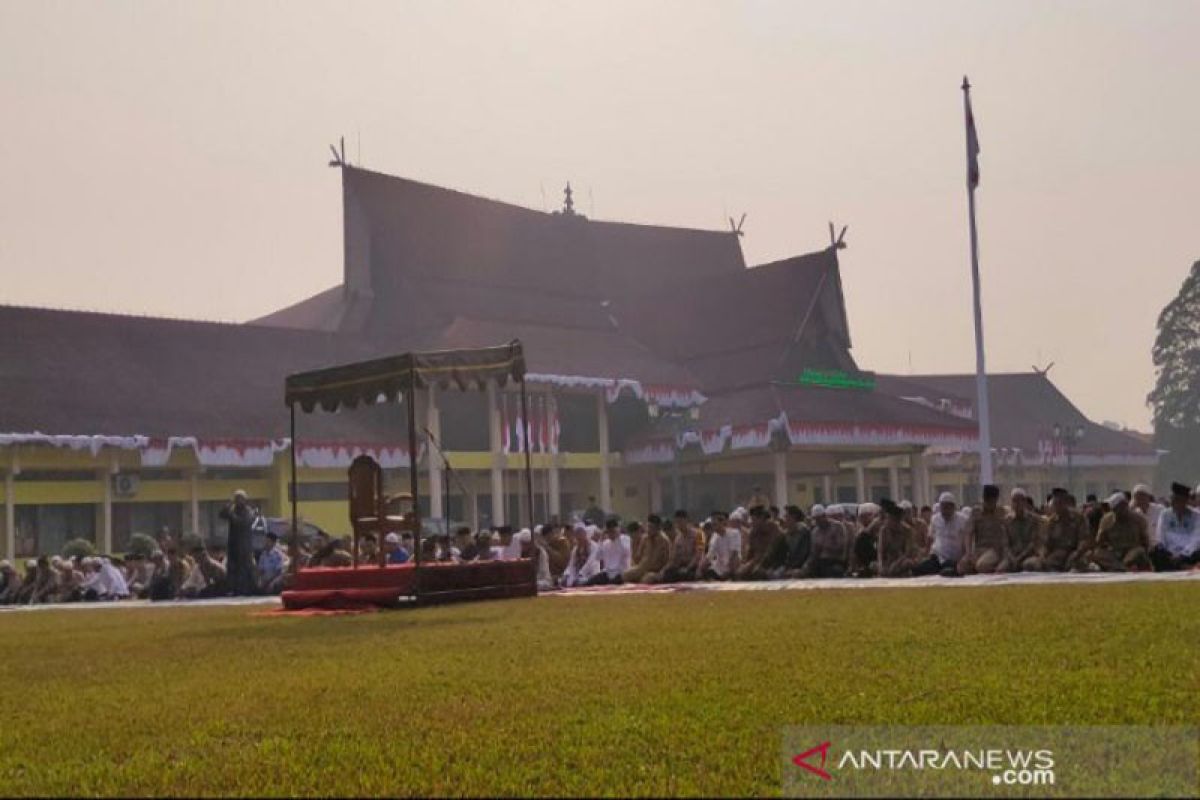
[746, 328]
[416, 229]
[70, 372]
[1024, 408]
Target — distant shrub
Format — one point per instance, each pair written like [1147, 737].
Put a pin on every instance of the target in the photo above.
[190, 541]
[78, 548]
[141, 545]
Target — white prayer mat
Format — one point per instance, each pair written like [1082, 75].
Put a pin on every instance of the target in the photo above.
[1007, 579]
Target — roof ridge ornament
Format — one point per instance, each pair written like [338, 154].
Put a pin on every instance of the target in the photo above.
[568, 208]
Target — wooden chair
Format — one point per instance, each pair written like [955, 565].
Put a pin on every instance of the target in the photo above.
[366, 497]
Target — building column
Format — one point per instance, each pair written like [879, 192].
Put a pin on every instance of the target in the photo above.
[894, 483]
[553, 488]
[498, 458]
[656, 498]
[781, 478]
[472, 501]
[827, 489]
[602, 427]
[860, 483]
[10, 511]
[920, 479]
[194, 501]
[433, 455]
[105, 545]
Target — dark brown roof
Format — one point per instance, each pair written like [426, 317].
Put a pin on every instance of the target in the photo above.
[1024, 407]
[740, 329]
[815, 405]
[421, 230]
[69, 372]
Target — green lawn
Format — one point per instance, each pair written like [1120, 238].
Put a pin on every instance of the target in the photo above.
[651, 694]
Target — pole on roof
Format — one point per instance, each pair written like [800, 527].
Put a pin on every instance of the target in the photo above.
[981, 390]
[410, 397]
[294, 541]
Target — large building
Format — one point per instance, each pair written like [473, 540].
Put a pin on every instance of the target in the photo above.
[663, 372]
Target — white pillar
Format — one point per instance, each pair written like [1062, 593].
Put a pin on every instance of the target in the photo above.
[498, 458]
[894, 483]
[781, 478]
[860, 483]
[553, 489]
[827, 489]
[656, 498]
[106, 528]
[602, 426]
[472, 501]
[194, 501]
[433, 455]
[920, 492]
[10, 513]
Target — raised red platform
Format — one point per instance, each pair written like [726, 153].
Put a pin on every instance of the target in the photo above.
[390, 586]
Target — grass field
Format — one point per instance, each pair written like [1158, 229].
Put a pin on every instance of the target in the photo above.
[650, 694]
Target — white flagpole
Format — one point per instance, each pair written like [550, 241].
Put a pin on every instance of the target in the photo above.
[981, 390]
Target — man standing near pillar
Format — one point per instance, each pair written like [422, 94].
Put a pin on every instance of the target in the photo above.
[239, 558]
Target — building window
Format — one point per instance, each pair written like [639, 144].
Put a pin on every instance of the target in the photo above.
[322, 492]
[147, 518]
[44, 529]
[49, 475]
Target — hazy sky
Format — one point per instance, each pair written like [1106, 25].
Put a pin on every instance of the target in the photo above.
[170, 158]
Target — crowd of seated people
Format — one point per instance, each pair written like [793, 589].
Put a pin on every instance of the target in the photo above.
[1128, 531]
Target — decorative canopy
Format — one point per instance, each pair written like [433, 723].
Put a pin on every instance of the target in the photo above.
[385, 379]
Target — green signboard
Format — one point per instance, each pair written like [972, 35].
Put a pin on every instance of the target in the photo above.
[837, 379]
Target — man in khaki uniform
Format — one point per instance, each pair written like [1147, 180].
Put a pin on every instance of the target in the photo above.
[653, 554]
[1067, 537]
[986, 536]
[920, 530]
[830, 553]
[1123, 540]
[761, 540]
[683, 563]
[1024, 535]
[894, 540]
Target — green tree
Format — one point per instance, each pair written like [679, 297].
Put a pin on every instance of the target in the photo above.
[78, 548]
[141, 544]
[1176, 395]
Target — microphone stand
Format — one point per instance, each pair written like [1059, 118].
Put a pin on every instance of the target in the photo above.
[450, 473]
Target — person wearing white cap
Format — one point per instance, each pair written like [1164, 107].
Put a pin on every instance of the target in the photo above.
[1024, 535]
[1122, 540]
[724, 552]
[830, 553]
[239, 551]
[1145, 504]
[946, 530]
[583, 561]
[394, 550]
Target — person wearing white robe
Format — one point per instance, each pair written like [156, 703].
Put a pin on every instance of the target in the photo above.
[615, 555]
[584, 562]
[107, 581]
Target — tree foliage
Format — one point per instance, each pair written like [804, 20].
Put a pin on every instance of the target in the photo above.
[78, 548]
[1176, 395]
[141, 544]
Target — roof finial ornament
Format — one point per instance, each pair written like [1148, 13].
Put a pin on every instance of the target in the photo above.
[568, 204]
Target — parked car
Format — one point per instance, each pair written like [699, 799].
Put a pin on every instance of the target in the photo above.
[280, 526]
